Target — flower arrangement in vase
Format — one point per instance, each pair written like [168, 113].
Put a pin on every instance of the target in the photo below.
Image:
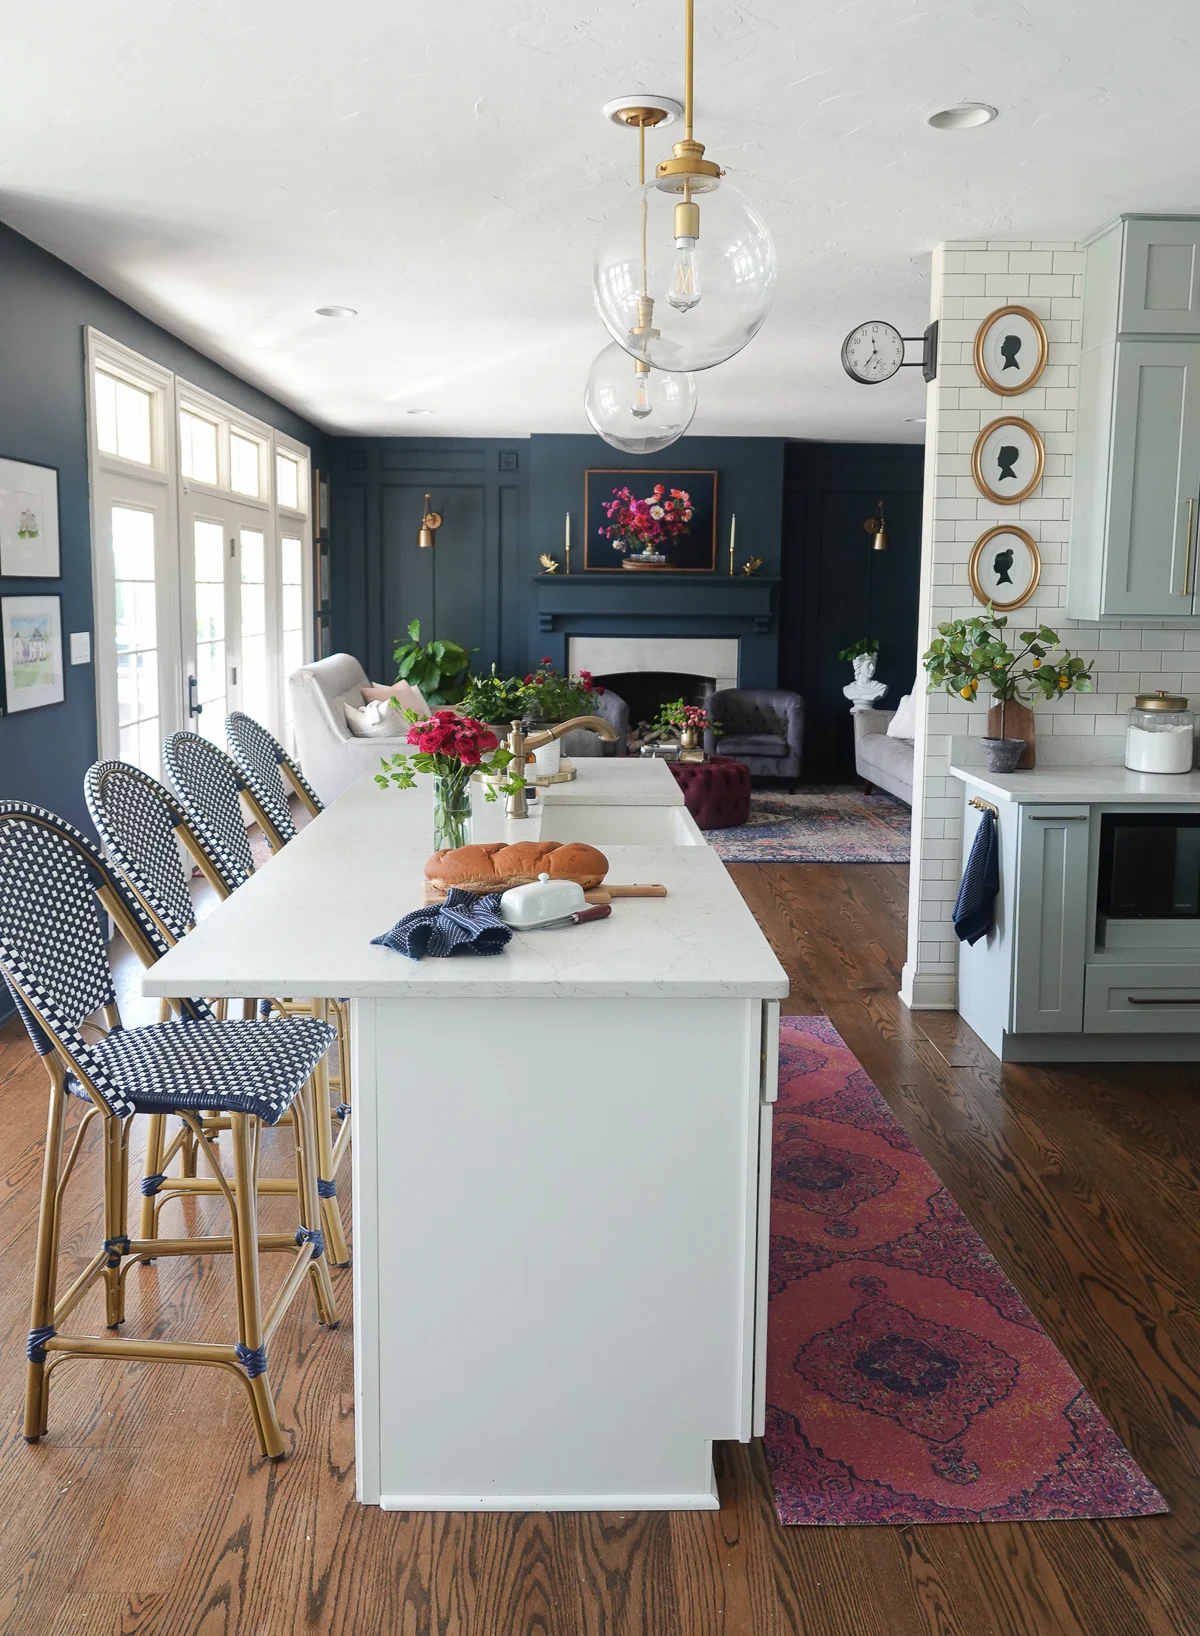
[644, 528]
[970, 651]
[689, 722]
[452, 748]
[548, 698]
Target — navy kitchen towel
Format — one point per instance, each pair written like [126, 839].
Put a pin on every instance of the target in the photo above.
[467, 923]
[974, 907]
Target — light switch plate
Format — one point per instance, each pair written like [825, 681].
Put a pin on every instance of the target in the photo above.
[81, 647]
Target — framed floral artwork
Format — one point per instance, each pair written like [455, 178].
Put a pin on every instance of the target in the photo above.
[664, 520]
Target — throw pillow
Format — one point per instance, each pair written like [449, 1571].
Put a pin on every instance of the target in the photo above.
[904, 723]
[376, 720]
[409, 697]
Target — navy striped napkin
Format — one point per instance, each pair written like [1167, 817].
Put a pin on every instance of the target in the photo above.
[467, 923]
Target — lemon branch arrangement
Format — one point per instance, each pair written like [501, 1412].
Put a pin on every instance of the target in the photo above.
[970, 651]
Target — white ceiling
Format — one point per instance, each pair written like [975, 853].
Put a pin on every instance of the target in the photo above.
[227, 166]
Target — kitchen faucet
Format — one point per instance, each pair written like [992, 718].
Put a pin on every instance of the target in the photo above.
[520, 743]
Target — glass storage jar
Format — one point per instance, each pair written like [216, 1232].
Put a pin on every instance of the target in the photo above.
[1160, 737]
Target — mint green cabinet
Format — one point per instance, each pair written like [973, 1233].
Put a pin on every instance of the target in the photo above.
[1050, 944]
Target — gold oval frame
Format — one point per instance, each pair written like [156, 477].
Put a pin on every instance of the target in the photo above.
[973, 567]
[977, 459]
[1043, 350]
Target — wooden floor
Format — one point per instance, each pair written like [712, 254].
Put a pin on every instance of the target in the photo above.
[147, 1511]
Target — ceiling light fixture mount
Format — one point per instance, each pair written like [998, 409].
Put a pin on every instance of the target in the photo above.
[337, 312]
[962, 116]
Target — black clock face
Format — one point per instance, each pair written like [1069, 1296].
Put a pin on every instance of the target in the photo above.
[873, 352]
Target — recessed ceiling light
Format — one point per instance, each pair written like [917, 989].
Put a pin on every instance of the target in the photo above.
[964, 116]
[418, 411]
[337, 312]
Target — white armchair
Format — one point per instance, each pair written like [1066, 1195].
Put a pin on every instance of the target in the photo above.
[331, 756]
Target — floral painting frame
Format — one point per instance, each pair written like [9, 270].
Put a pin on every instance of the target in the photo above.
[693, 553]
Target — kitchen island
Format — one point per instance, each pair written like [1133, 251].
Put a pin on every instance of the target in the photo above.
[561, 1154]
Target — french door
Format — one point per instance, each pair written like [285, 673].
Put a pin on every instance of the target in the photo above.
[229, 613]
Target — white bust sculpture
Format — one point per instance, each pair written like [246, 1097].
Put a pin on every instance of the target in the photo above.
[864, 690]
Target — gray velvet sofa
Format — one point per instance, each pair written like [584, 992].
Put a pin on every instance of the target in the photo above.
[879, 760]
[762, 727]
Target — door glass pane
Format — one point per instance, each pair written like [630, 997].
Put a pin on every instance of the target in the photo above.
[137, 636]
[287, 482]
[256, 692]
[291, 573]
[208, 549]
[197, 447]
[243, 465]
[122, 418]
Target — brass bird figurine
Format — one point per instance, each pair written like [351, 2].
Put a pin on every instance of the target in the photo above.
[753, 565]
[548, 563]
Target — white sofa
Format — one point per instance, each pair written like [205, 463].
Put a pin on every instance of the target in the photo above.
[330, 755]
[880, 760]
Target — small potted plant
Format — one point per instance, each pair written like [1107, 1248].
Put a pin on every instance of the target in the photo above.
[497, 700]
[688, 722]
[452, 748]
[548, 697]
[970, 651]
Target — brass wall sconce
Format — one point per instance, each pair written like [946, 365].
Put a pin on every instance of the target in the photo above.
[878, 527]
[429, 521]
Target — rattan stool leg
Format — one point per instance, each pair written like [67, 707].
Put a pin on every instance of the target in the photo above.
[304, 1130]
[155, 1143]
[245, 1251]
[116, 1215]
[41, 1315]
[331, 1215]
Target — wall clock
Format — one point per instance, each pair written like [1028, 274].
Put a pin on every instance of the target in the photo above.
[1005, 567]
[1007, 460]
[873, 352]
[1010, 350]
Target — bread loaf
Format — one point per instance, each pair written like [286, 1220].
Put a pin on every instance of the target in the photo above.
[495, 867]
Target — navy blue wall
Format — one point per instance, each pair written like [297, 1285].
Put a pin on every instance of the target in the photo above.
[44, 306]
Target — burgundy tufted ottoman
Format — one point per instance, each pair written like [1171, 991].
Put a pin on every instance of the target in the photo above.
[716, 792]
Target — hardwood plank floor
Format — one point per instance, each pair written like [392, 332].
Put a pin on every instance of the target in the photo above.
[147, 1513]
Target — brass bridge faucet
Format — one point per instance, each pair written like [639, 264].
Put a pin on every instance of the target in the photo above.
[520, 743]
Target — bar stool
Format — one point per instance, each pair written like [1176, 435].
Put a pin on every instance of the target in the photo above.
[210, 789]
[272, 776]
[53, 883]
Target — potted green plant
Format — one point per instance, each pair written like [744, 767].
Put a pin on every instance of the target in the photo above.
[498, 700]
[440, 669]
[688, 722]
[549, 698]
[969, 652]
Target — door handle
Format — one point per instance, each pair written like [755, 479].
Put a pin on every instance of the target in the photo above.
[194, 705]
[1133, 999]
[1187, 555]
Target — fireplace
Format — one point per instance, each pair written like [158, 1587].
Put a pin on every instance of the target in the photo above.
[646, 691]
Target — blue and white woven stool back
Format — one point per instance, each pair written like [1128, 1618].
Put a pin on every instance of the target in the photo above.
[138, 822]
[208, 784]
[259, 755]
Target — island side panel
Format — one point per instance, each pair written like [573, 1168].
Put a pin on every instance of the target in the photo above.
[565, 1222]
[363, 1149]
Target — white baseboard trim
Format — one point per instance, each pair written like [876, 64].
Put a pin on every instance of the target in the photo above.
[922, 992]
[552, 1502]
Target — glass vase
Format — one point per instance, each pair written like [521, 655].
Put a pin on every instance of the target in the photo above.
[452, 809]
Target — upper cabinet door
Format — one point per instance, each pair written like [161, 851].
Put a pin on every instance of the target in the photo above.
[1160, 286]
[1154, 485]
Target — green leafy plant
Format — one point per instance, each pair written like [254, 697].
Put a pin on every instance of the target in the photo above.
[970, 651]
[494, 698]
[865, 644]
[440, 669]
[551, 697]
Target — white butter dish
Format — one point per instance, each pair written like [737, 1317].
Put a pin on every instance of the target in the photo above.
[541, 900]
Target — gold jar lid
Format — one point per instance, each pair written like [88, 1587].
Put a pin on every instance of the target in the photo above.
[1160, 701]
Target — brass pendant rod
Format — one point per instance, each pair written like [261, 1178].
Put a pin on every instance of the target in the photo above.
[689, 30]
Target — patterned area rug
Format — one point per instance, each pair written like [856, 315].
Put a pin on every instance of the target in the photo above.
[817, 826]
[906, 1380]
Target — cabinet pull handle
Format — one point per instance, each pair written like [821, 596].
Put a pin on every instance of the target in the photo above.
[1058, 817]
[1133, 999]
[1187, 558]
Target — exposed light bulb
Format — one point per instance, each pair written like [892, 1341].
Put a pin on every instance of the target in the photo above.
[640, 405]
[684, 291]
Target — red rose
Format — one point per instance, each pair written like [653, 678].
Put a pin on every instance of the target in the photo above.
[529, 678]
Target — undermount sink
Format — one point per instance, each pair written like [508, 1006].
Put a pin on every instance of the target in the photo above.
[621, 826]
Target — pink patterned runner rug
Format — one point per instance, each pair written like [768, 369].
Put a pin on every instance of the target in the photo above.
[907, 1381]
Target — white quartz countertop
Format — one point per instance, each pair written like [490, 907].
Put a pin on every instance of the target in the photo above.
[1084, 785]
[302, 925]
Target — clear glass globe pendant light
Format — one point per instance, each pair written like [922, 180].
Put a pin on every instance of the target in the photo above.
[706, 251]
[632, 405]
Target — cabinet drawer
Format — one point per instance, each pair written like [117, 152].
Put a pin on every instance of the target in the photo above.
[1137, 999]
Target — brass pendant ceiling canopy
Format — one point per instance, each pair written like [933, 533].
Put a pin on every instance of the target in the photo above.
[430, 521]
[692, 244]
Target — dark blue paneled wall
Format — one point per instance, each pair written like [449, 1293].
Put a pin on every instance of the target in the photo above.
[44, 306]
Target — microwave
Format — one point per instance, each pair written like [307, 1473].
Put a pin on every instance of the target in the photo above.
[1149, 866]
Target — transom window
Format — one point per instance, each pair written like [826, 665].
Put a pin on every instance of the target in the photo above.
[123, 418]
[243, 465]
[197, 448]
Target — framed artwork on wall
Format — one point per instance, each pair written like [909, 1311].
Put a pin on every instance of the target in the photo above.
[1005, 567]
[28, 521]
[1008, 460]
[321, 505]
[1010, 350]
[675, 512]
[33, 651]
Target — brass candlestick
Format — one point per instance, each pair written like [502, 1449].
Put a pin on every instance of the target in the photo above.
[567, 541]
[732, 538]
